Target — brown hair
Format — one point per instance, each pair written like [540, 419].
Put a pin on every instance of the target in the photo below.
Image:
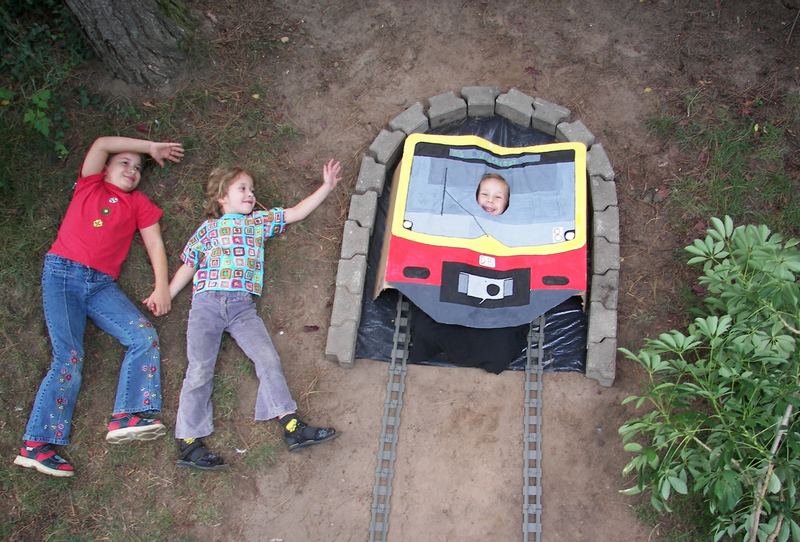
[218, 182]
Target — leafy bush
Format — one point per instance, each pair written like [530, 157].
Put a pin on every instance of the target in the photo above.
[722, 423]
[42, 43]
[38, 37]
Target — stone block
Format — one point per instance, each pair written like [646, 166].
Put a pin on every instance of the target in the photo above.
[371, 176]
[546, 116]
[605, 255]
[515, 106]
[605, 289]
[362, 209]
[574, 131]
[602, 193]
[597, 162]
[355, 240]
[480, 100]
[412, 120]
[602, 323]
[606, 224]
[601, 361]
[346, 306]
[446, 108]
[341, 344]
[387, 147]
[351, 274]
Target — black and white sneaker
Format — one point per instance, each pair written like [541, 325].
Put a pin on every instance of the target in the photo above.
[299, 434]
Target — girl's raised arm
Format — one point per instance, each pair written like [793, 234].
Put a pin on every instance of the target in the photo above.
[105, 146]
[331, 175]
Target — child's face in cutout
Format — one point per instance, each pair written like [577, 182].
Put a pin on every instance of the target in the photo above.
[124, 170]
[493, 196]
[239, 197]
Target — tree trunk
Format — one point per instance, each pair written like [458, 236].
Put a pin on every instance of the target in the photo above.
[134, 40]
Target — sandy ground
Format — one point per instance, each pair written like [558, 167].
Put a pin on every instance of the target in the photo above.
[458, 474]
[346, 70]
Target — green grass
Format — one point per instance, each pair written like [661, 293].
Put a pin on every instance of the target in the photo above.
[126, 492]
[733, 164]
[286, 129]
[683, 525]
[225, 396]
[263, 454]
[245, 368]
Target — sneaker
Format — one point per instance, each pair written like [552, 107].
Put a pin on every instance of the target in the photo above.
[195, 455]
[44, 459]
[298, 434]
[131, 427]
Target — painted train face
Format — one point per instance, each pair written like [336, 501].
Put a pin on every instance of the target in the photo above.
[462, 265]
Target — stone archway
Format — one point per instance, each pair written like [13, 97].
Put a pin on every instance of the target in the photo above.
[526, 111]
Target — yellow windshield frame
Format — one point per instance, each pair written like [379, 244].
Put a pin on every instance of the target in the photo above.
[484, 243]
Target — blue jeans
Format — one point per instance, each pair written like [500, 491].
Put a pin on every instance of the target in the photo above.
[71, 293]
[213, 313]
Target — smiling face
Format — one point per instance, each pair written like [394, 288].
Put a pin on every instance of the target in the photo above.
[124, 170]
[239, 198]
[493, 195]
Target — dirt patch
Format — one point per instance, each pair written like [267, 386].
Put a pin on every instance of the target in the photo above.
[344, 72]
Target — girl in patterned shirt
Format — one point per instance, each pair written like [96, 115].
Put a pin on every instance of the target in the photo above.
[224, 260]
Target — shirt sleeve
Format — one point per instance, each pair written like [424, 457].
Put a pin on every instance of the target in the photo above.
[147, 212]
[90, 179]
[196, 247]
[274, 222]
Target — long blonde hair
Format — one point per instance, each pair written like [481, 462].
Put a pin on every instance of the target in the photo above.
[218, 182]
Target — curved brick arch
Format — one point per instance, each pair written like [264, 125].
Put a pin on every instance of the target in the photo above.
[526, 111]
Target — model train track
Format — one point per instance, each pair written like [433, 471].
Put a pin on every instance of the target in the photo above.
[393, 404]
[532, 435]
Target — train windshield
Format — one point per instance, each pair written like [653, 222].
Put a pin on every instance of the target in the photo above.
[442, 189]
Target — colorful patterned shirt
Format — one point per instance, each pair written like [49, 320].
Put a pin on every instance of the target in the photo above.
[228, 252]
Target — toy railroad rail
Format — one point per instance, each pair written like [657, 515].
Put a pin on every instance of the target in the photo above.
[532, 421]
[387, 450]
[532, 436]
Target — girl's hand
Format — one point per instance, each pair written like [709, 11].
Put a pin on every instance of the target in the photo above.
[159, 302]
[331, 173]
[165, 151]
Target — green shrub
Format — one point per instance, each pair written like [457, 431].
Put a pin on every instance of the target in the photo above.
[723, 398]
[42, 44]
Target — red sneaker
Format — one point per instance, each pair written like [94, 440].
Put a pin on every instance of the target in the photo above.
[131, 427]
[44, 459]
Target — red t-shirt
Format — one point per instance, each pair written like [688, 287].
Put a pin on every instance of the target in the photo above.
[101, 220]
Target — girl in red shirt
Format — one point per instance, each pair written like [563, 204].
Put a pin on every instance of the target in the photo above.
[79, 282]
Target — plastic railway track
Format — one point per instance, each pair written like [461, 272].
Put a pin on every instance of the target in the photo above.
[532, 435]
[387, 449]
[393, 404]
